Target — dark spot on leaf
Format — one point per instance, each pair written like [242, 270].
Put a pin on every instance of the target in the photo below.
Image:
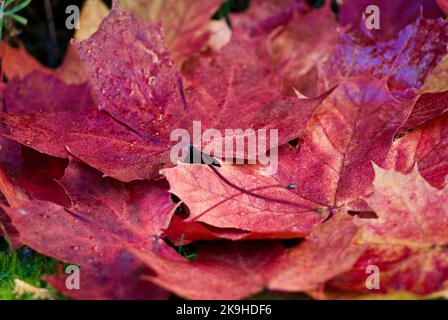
[290, 243]
[294, 143]
[364, 214]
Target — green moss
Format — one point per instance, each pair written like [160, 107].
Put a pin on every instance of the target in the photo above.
[26, 265]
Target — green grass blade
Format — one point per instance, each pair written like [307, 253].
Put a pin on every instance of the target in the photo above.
[19, 19]
[2, 7]
[8, 3]
[18, 7]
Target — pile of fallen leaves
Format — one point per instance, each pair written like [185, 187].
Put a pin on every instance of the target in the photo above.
[363, 161]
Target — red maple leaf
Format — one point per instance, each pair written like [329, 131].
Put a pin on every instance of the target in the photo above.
[18, 63]
[104, 220]
[354, 126]
[404, 61]
[426, 147]
[443, 4]
[394, 15]
[273, 27]
[220, 271]
[185, 22]
[143, 98]
[359, 178]
[38, 92]
[407, 241]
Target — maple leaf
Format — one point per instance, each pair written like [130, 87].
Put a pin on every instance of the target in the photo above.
[427, 148]
[405, 61]
[184, 22]
[9, 150]
[17, 63]
[144, 101]
[407, 241]
[221, 270]
[35, 177]
[283, 31]
[263, 16]
[443, 4]
[248, 201]
[36, 172]
[183, 232]
[38, 175]
[436, 81]
[402, 59]
[10, 155]
[428, 106]
[11, 194]
[105, 218]
[379, 97]
[214, 81]
[394, 15]
[398, 197]
[94, 138]
[353, 126]
[328, 252]
[92, 14]
[38, 92]
[120, 280]
[138, 84]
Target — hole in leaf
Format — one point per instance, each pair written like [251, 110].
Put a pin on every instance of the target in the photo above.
[364, 214]
[316, 3]
[175, 198]
[335, 7]
[195, 156]
[290, 243]
[294, 143]
[182, 211]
